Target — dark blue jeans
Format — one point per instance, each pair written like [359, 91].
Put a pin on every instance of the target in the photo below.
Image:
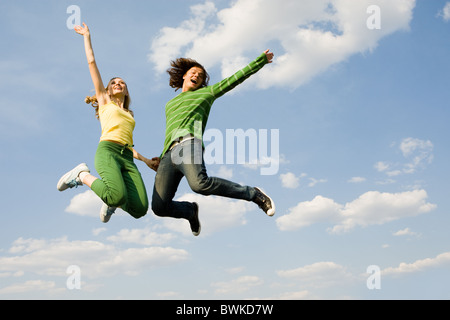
[186, 160]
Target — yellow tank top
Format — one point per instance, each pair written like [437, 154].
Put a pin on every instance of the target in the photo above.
[117, 124]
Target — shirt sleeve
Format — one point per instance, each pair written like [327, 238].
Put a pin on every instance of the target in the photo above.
[222, 87]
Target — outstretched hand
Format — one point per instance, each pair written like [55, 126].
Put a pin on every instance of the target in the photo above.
[269, 55]
[82, 30]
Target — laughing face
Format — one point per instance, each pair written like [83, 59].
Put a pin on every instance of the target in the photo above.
[117, 87]
[193, 79]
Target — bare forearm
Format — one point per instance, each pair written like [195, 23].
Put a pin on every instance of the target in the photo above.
[151, 163]
[138, 156]
[88, 47]
[93, 69]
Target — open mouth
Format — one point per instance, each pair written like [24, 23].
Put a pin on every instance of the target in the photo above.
[194, 81]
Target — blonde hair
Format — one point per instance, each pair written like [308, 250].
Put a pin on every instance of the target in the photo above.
[94, 102]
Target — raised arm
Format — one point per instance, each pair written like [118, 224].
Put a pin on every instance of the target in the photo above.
[230, 83]
[93, 69]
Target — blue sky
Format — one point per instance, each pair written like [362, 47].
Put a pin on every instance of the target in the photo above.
[361, 107]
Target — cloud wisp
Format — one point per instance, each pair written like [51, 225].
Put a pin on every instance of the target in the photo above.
[309, 36]
[371, 208]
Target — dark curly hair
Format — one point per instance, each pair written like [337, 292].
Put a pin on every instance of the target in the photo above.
[179, 68]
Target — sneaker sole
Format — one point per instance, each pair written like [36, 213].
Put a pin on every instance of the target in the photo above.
[270, 212]
[61, 186]
[104, 217]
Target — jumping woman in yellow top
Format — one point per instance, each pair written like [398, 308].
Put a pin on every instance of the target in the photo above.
[121, 184]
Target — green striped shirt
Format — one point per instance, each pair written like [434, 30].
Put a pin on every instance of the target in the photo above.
[188, 112]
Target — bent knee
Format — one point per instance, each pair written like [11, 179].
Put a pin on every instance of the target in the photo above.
[138, 215]
[160, 209]
[139, 212]
[200, 187]
[115, 202]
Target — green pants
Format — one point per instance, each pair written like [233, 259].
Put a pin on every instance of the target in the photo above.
[121, 183]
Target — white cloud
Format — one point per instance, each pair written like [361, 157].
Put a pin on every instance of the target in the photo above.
[88, 204]
[419, 265]
[357, 180]
[215, 213]
[97, 231]
[326, 274]
[239, 285]
[394, 173]
[167, 46]
[405, 232]
[381, 166]
[371, 208]
[85, 204]
[409, 145]
[96, 259]
[321, 274]
[385, 182]
[290, 180]
[31, 286]
[315, 181]
[225, 172]
[141, 236]
[417, 153]
[312, 35]
[445, 12]
[309, 212]
[268, 166]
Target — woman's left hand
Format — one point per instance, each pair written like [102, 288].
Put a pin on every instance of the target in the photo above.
[153, 163]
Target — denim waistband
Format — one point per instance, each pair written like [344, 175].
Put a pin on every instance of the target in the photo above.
[181, 140]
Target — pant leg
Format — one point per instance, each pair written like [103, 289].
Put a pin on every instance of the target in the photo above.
[111, 187]
[167, 179]
[193, 167]
[137, 200]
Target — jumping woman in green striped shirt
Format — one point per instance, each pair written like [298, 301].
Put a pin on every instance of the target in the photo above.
[182, 156]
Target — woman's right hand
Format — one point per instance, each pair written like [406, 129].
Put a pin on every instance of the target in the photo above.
[84, 31]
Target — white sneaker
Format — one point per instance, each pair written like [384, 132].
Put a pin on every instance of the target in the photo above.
[106, 213]
[71, 179]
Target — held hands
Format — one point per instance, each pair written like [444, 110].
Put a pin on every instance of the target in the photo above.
[269, 55]
[152, 163]
[84, 31]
